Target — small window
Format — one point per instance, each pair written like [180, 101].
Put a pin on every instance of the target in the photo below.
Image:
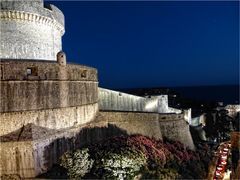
[84, 74]
[29, 71]
[32, 71]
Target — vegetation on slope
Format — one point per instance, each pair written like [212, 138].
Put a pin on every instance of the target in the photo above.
[126, 157]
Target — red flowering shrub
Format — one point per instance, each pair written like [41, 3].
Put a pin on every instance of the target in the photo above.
[154, 151]
[181, 154]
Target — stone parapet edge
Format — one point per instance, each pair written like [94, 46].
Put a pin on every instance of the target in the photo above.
[30, 17]
[24, 64]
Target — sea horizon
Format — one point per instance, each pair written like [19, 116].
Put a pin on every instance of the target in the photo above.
[228, 94]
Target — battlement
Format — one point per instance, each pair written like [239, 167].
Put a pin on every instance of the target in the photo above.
[23, 10]
[37, 85]
[110, 100]
[31, 17]
[33, 70]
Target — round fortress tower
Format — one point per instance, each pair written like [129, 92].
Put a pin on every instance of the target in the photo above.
[36, 84]
[42, 98]
[30, 30]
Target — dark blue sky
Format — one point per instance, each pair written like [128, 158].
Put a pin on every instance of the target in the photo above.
[154, 44]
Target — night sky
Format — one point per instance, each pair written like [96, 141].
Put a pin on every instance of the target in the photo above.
[154, 44]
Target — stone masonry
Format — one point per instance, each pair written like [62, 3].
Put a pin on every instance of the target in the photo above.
[48, 106]
[29, 30]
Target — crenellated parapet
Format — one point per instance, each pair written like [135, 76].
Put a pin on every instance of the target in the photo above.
[31, 17]
[36, 85]
[30, 30]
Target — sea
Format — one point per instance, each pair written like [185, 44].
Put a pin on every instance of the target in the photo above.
[228, 94]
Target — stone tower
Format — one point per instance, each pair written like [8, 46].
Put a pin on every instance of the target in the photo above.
[43, 100]
[30, 30]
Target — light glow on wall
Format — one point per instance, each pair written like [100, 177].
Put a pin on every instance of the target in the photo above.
[150, 105]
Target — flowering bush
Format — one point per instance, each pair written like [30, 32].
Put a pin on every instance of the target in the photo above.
[153, 150]
[77, 163]
[125, 157]
[123, 165]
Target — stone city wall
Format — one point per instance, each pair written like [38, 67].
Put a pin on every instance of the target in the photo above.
[46, 94]
[30, 158]
[37, 86]
[39, 95]
[118, 101]
[30, 31]
[172, 126]
[17, 158]
[196, 121]
[176, 129]
[187, 115]
[134, 123]
[108, 124]
[58, 118]
[174, 110]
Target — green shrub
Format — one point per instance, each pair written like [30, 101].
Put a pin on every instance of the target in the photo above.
[77, 163]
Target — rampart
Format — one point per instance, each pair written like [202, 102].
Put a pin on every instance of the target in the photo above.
[196, 121]
[172, 126]
[35, 149]
[110, 100]
[133, 122]
[176, 128]
[148, 116]
[46, 94]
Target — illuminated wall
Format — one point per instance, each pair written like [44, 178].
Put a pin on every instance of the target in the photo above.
[52, 96]
[117, 101]
[29, 30]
